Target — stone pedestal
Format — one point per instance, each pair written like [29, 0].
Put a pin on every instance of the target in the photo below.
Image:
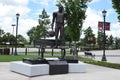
[77, 67]
[46, 69]
[28, 69]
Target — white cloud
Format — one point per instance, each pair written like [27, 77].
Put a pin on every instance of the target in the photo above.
[14, 2]
[114, 30]
[25, 25]
[6, 23]
[94, 16]
[110, 11]
[11, 7]
[115, 26]
[92, 19]
[43, 2]
[114, 33]
[8, 9]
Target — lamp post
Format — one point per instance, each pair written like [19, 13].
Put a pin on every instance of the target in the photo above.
[104, 37]
[13, 28]
[17, 18]
[13, 35]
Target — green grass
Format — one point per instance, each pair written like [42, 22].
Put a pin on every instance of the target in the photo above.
[9, 58]
[100, 63]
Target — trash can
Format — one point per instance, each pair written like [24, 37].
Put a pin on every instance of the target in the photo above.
[6, 51]
[1, 51]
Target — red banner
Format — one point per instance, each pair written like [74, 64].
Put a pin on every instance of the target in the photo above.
[101, 25]
[107, 26]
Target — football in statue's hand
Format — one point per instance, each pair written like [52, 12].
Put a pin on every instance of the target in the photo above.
[51, 33]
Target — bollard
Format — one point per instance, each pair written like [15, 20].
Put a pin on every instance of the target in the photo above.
[25, 51]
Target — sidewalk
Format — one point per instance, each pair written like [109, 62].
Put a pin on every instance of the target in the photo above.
[93, 73]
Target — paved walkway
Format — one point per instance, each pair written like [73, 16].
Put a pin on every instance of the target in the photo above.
[93, 73]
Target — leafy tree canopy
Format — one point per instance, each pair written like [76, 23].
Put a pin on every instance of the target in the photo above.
[40, 31]
[76, 14]
[116, 6]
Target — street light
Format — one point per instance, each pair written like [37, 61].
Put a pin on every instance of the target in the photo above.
[104, 37]
[13, 28]
[17, 18]
[13, 35]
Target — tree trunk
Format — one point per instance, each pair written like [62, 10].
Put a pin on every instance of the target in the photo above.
[75, 50]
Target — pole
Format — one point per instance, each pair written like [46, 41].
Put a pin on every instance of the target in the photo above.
[16, 44]
[104, 42]
[13, 35]
[13, 28]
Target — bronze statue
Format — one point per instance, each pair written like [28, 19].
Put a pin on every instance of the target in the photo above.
[58, 18]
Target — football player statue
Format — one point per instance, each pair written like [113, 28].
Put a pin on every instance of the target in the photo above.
[59, 20]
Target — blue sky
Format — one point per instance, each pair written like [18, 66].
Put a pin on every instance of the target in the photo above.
[105, 5]
[30, 9]
[94, 14]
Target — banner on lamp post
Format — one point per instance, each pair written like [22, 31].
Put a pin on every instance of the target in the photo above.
[101, 26]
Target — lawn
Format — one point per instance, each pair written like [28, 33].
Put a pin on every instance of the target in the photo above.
[9, 58]
[99, 63]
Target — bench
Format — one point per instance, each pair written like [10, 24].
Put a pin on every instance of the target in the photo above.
[89, 54]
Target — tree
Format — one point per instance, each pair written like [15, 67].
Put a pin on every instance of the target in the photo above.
[100, 39]
[1, 32]
[41, 30]
[44, 22]
[75, 10]
[117, 43]
[12, 39]
[76, 14]
[67, 36]
[21, 40]
[1, 35]
[110, 41]
[31, 34]
[116, 6]
[8, 37]
[89, 36]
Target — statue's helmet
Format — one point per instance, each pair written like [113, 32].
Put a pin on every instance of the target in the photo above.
[60, 8]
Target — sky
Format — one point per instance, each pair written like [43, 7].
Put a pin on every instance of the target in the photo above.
[29, 11]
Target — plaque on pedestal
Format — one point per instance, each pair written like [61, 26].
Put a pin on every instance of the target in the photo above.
[58, 67]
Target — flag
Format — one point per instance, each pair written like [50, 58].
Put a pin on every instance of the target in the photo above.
[107, 26]
[101, 26]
